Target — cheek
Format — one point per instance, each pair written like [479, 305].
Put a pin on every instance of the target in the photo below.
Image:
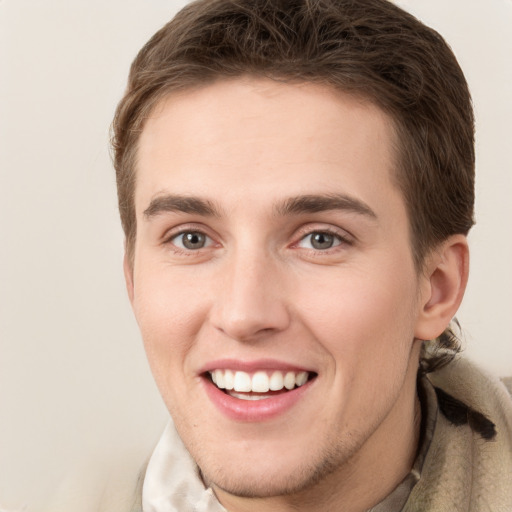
[364, 321]
[367, 332]
[166, 303]
[169, 314]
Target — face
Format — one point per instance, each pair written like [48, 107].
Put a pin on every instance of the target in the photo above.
[273, 258]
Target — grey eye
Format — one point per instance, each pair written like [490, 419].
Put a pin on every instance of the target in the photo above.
[320, 241]
[191, 240]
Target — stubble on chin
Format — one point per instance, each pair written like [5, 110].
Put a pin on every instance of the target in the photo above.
[299, 481]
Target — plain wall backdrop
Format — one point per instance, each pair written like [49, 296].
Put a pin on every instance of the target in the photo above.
[75, 389]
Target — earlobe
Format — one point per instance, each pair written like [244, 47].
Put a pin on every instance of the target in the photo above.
[128, 276]
[446, 272]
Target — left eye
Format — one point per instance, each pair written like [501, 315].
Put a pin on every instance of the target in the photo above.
[191, 240]
[320, 240]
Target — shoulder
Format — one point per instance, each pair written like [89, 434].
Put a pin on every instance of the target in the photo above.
[477, 388]
[469, 462]
[508, 384]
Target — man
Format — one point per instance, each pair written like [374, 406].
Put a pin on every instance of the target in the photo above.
[295, 184]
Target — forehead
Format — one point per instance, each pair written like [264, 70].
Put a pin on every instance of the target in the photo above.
[256, 138]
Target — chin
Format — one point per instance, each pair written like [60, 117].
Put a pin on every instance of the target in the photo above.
[252, 484]
[278, 474]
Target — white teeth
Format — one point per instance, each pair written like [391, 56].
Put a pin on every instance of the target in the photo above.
[245, 396]
[219, 379]
[260, 382]
[289, 380]
[301, 378]
[276, 381]
[242, 382]
[229, 379]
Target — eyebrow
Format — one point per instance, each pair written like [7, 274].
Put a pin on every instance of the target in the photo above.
[320, 203]
[183, 204]
[310, 203]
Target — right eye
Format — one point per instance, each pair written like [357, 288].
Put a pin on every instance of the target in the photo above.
[191, 240]
[320, 240]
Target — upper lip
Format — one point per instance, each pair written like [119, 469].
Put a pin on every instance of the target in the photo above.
[252, 366]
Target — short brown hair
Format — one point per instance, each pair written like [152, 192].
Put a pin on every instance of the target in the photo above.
[366, 47]
[370, 48]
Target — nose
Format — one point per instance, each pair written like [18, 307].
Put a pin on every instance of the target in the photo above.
[252, 298]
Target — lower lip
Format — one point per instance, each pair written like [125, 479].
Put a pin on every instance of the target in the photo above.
[254, 410]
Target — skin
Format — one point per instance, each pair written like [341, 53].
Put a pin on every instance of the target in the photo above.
[353, 313]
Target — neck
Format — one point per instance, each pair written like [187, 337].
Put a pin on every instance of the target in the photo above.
[368, 477]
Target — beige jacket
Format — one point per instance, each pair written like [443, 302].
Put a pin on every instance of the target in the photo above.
[463, 472]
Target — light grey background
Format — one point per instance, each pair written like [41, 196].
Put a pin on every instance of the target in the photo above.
[75, 388]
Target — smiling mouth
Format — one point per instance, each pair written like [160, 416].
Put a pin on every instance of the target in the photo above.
[259, 385]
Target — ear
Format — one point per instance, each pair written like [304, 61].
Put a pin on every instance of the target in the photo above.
[445, 278]
[128, 275]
